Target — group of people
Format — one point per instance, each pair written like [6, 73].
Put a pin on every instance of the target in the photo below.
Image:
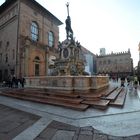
[132, 81]
[14, 82]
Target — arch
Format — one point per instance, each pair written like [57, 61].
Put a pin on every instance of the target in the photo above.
[37, 58]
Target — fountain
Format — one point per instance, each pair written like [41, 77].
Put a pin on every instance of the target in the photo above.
[68, 69]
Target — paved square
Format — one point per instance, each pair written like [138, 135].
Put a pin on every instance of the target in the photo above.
[13, 122]
[58, 122]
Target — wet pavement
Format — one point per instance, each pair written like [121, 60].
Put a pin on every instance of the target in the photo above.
[58, 123]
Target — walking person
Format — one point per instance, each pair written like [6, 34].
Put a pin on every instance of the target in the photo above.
[135, 84]
[122, 81]
[130, 83]
[138, 79]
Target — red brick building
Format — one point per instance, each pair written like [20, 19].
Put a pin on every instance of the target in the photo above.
[29, 36]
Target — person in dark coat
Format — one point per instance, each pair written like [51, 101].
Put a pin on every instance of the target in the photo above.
[14, 81]
[135, 82]
[122, 81]
[22, 82]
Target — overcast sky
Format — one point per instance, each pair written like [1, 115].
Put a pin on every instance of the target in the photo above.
[110, 24]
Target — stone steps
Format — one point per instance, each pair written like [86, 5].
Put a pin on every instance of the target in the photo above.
[113, 95]
[80, 107]
[49, 92]
[77, 100]
[120, 99]
[101, 104]
[47, 97]
[97, 95]
[108, 91]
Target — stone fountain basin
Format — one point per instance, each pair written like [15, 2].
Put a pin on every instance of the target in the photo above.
[69, 83]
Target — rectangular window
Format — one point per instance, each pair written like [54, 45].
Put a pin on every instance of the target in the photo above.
[36, 69]
[0, 57]
[5, 74]
[13, 54]
[0, 43]
[0, 75]
[7, 45]
[6, 58]
[51, 39]
[34, 31]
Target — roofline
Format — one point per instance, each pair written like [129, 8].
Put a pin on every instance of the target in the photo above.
[6, 4]
[48, 12]
[10, 2]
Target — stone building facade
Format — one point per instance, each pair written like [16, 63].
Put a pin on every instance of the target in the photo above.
[115, 64]
[29, 36]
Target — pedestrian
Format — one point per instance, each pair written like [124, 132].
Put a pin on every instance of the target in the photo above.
[22, 82]
[14, 82]
[135, 84]
[139, 79]
[130, 84]
[128, 80]
[122, 81]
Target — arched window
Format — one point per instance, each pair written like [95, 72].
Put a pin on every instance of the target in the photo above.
[37, 58]
[34, 31]
[51, 39]
[37, 65]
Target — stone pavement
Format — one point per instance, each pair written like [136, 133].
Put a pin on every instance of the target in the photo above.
[61, 131]
[13, 122]
[24, 120]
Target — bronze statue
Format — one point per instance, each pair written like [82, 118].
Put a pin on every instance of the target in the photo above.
[69, 30]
